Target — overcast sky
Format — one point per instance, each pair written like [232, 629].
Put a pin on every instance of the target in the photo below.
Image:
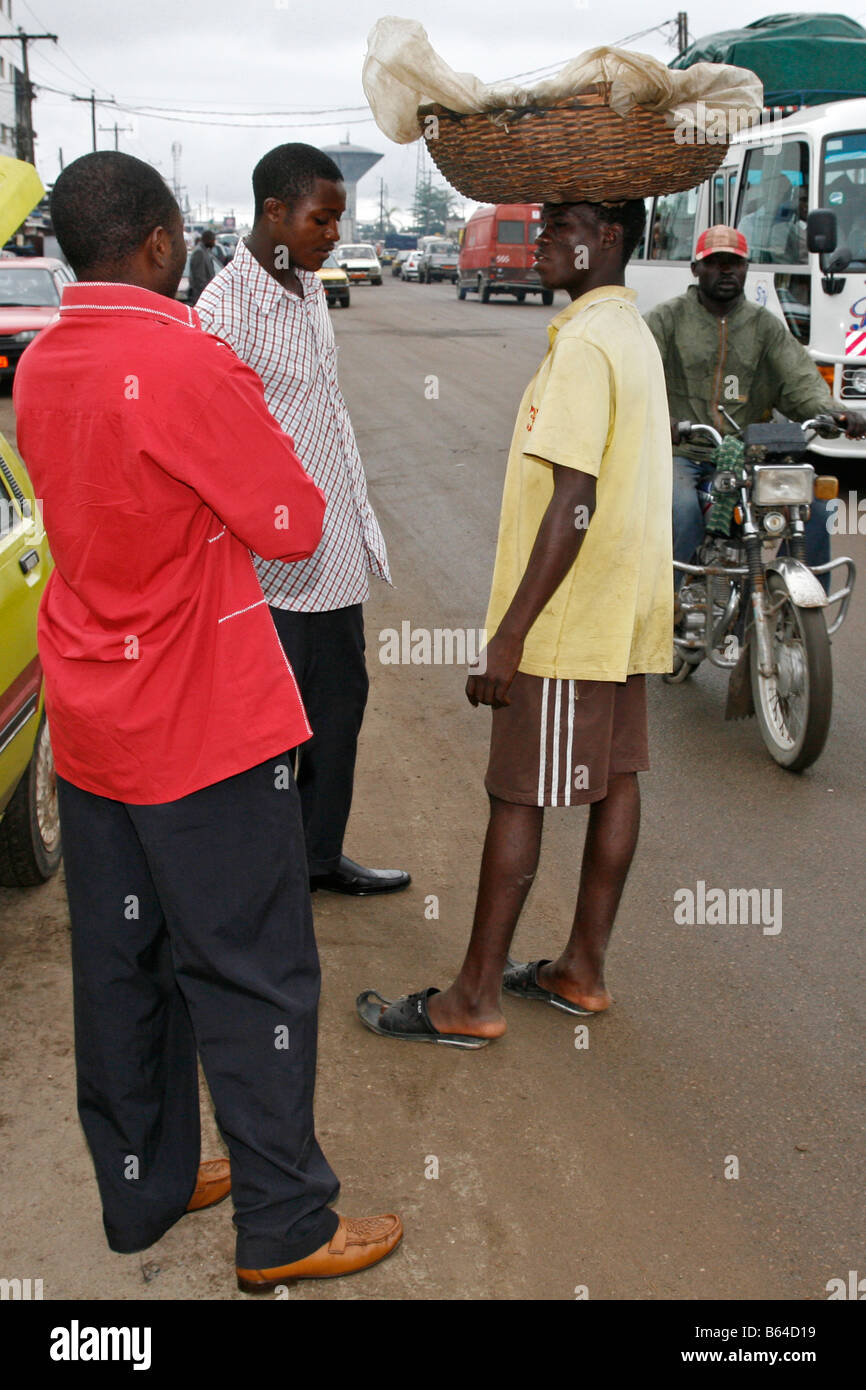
[245, 58]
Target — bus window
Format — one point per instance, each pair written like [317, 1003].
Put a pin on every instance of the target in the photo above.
[732, 192]
[794, 295]
[532, 230]
[717, 210]
[510, 233]
[774, 202]
[673, 228]
[844, 189]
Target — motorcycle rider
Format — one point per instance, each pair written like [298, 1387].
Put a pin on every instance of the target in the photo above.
[720, 351]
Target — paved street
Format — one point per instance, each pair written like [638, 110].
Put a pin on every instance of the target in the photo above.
[560, 1166]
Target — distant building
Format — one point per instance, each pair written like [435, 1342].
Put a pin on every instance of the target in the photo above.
[10, 56]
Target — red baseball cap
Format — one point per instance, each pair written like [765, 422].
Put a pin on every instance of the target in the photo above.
[721, 238]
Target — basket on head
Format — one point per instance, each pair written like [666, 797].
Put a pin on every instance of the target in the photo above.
[577, 150]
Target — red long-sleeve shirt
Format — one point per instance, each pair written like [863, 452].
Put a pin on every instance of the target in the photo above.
[159, 467]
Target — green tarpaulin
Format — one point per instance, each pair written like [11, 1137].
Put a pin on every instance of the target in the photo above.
[802, 59]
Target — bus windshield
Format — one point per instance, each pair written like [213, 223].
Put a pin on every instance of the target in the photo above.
[844, 189]
[774, 203]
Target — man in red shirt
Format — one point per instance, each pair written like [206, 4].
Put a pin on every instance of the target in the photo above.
[172, 707]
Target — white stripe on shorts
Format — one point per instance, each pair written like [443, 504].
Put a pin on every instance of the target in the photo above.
[542, 751]
[557, 710]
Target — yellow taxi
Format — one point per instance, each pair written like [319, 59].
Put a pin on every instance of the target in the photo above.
[29, 821]
[336, 282]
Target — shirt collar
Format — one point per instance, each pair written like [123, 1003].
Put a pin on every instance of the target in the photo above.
[114, 297]
[584, 301]
[264, 287]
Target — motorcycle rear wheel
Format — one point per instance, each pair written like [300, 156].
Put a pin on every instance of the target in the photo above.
[794, 705]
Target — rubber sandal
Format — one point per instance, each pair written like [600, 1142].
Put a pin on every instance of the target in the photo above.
[407, 1018]
[522, 981]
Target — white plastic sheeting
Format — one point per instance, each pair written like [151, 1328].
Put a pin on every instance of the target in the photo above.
[402, 71]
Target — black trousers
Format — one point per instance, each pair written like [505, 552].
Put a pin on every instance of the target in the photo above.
[326, 653]
[192, 931]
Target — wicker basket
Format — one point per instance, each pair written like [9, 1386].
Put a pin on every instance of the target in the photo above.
[579, 150]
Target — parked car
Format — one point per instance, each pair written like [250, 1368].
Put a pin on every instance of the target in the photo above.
[438, 261]
[336, 282]
[409, 268]
[360, 262]
[30, 290]
[399, 261]
[497, 253]
[29, 823]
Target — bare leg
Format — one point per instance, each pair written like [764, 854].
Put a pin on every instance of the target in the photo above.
[472, 1003]
[611, 838]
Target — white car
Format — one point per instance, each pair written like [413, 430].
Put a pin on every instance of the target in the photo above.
[409, 270]
[360, 262]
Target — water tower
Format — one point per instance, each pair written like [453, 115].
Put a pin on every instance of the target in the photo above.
[355, 161]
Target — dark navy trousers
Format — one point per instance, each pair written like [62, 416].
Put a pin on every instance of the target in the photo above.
[192, 933]
[326, 653]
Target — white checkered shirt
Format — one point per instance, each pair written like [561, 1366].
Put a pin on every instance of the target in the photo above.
[289, 343]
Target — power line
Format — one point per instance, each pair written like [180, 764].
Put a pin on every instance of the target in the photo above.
[550, 68]
[280, 111]
[145, 114]
[62, 50]
[234, 125]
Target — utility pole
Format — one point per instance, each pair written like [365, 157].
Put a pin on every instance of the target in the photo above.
[92, 100]
[24, 141]
[682, 31]
[116, 128]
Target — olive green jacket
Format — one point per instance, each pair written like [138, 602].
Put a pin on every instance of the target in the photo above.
[746, 362]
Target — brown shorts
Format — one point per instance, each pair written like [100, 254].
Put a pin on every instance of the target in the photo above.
[559, 741]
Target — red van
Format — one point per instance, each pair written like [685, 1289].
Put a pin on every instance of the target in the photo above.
[497, 253]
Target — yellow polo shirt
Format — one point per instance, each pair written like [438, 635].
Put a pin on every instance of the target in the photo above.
[597, 403]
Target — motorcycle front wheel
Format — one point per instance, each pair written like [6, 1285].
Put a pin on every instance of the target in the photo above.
[794, 705]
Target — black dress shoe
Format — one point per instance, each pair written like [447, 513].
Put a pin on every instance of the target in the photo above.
[353, 878]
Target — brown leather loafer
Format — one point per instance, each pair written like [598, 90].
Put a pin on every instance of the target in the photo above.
[214, 1182]
[357, 1243]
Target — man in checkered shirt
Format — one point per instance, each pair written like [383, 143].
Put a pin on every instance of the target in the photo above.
[269, 304]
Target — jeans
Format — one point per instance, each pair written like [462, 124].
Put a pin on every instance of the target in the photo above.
[688, 519]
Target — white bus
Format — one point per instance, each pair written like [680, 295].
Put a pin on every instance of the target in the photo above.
[771, 178]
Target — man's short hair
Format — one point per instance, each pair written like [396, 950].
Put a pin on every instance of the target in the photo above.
[105, 205]
[289, 173]
[631, 216]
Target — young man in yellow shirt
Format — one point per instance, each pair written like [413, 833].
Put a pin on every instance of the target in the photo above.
[580, 609]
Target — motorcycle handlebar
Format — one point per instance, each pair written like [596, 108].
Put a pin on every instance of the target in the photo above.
[686, 430]
[823, 425]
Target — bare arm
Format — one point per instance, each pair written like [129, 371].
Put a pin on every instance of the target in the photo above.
[556, 547]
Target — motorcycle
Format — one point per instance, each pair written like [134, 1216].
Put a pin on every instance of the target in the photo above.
[754, 612]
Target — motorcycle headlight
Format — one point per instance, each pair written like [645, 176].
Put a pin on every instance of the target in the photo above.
[783, 485]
